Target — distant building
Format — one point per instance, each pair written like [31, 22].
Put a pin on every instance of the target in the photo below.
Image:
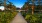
[18, 8]
[2, 7]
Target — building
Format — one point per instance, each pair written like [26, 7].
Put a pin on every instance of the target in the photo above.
[2, 7]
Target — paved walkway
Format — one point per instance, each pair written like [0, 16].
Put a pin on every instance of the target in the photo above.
[18, 19]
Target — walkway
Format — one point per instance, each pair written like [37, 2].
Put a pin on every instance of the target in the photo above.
[18, 19]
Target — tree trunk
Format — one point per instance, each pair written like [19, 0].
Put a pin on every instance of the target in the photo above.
[32, 7]
[5, 4]
[39, 2]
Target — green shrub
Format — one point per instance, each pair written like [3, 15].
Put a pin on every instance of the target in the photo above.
[6, 17]
[34, 18]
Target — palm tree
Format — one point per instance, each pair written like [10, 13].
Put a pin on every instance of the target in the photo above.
[5, 4]
[39, 2]
[33, 7]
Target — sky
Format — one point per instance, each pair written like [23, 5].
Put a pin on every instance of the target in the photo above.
[18, 3]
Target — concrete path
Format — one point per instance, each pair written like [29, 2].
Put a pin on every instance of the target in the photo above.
[18, 19]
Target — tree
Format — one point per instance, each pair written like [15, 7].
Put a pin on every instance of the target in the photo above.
[39, 2]
[10, 6]
[5, 4]
[0, 10]
[33, 7]
[25, 6]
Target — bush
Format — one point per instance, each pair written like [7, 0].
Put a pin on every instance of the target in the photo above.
[6, 17]
[34, 18]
